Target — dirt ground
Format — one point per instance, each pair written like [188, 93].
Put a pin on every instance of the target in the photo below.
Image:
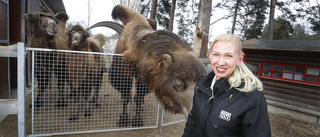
[281, 126]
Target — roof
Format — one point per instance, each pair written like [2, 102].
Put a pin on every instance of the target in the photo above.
[285, 45]
[57, 5]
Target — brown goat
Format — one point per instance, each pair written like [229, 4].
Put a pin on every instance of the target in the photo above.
[43, 27]
[160, 60]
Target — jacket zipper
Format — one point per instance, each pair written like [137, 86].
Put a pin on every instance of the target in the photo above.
[213, 111]
[219, 106]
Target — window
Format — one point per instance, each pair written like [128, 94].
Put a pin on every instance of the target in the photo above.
[291, 72]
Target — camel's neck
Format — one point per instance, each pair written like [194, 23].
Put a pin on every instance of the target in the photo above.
[42, 42]
[83, 46]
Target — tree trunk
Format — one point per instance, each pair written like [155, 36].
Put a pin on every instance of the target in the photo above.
[172, 11]
[271, 19]
[200, 44]
[153, 9]
[235, 16]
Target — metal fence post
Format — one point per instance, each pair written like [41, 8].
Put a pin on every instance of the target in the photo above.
[161, 118]
[21, 90]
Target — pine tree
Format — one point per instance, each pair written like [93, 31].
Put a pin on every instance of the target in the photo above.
[186, 19]
[258, 14]
[281, 31]
[250, 16]
[299, 33]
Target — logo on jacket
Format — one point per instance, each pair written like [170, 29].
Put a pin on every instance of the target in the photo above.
[225, 115]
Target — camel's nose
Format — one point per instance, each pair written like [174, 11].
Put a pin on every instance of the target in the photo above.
[76, 39]
[52, 28]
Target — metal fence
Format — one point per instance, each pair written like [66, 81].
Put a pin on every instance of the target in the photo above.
[72, 93]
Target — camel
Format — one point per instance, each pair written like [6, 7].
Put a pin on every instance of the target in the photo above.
[43, 27]
[85, 70]
[160, 61]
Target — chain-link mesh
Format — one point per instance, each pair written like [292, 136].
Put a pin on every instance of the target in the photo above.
[73, 92]
[168, 118]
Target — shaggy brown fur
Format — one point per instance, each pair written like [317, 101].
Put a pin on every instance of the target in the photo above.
[152, 23]
[42, 27]
[85, 70]
[101, 39]
[96, 69]
[61, 38]
[60, 64]
[162, 61]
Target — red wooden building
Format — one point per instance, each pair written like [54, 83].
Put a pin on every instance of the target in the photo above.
[290, 71]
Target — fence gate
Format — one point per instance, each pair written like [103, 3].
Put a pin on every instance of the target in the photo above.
[72, 93]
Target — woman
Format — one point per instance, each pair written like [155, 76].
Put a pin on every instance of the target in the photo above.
[228, 102]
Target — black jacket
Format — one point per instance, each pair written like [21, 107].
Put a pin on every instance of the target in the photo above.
[230, 113]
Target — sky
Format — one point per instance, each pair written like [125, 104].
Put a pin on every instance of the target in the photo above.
[101, 11]
[77, 11]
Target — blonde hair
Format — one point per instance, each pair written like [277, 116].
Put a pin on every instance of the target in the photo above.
[241, 72]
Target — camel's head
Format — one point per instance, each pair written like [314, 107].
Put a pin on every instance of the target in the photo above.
[42, 23]
[178, 76]
[171, 70]
[77, 34]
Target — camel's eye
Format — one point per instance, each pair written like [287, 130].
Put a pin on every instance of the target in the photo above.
[37, 18]
[179, 85]
[55, 20]
[71, 32]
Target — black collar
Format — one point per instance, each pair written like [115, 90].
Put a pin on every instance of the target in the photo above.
[205, 84]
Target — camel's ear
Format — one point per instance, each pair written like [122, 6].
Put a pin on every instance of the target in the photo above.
[152, 23]
[167, 60]
[27, 16]
[86, 34]
[68, 32]
[61, 16]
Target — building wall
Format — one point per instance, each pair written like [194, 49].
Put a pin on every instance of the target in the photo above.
[12, 23]
[4, 39]
[9, 65]
[303, 97]
[14, 36]
[3, 22]
[4, 94]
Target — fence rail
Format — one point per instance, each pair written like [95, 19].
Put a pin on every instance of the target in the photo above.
[21, 60]
[16, 106]
[8, 106]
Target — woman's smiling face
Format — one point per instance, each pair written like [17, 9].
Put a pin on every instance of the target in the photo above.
[224, 57]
